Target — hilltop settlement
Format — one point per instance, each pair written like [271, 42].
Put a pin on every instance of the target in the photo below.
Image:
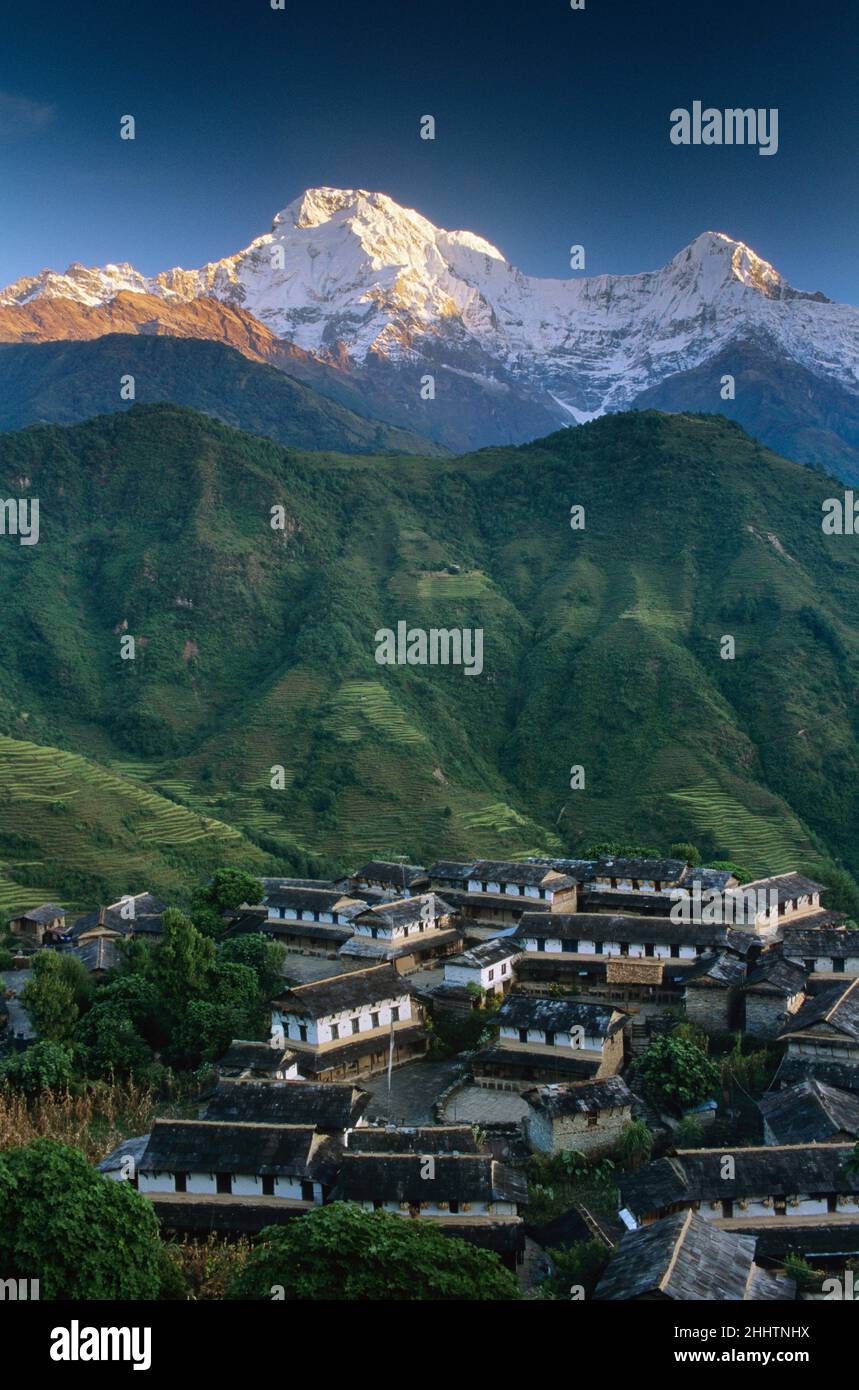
[644, 1058]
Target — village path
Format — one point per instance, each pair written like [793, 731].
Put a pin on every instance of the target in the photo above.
[19, 1020]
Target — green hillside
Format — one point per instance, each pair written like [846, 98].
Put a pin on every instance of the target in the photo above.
[64, 382]
[255, 647]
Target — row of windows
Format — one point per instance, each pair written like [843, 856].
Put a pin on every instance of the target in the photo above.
[354, 1025]
[224, 1185]
[600, 948]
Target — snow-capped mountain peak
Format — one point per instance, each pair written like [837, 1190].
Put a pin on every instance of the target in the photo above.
[349, 273]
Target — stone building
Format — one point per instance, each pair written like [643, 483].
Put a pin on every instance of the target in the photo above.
[587, 1116]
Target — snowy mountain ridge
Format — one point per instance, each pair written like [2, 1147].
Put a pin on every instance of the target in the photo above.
[350, 274]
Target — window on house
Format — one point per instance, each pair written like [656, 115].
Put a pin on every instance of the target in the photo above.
[523, 1035]
[541, 945]
[302, 1032]
[453, 1206]
[224, 1182]
[268, 1185]
[374, 1020]
[491, 975]
[356, 1024]
[593, 1121]
[181, 1182]
[377, 1205]
[335, 1030]
[838, 967]
[307, 1192]
[569, 947]
[395, 1013]
[550, 1039]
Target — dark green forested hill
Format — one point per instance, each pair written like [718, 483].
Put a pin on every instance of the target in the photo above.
[255, 647]
[64, 382]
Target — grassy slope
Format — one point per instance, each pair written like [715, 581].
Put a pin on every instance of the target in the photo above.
[255, 647]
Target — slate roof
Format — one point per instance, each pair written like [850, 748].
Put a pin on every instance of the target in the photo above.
[715, 880]
[836, 1007]
[273, 885]
[774, 975]
[314, 900]
[397, 1178]
[310, 931]
[98, 954]
[559, 1015]
[810, 1113]
[387, 871]
[586, 1098]
[506, 871]
[148, 912]
[793, 1071]
[695, 1175]
[658, 870]
[604, 926]
[686, 1258]
[805, 942]
[327, 1105]
[216, 1146]
[403, 911]
[486, 954]
[489, 902]
[724, 971]
[424, 1139]
[352, 990]
[250, 1055]
[788, 887]
[451, 868]
[48, 912]
[129, 1148]
[626, 904]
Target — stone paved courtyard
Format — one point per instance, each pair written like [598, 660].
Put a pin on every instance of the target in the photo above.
[476, 1105]
[414, 1089]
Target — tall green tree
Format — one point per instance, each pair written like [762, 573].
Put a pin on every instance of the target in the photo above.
[82, 1235]
[52, 997]
[674, 1071]
[343, 1252]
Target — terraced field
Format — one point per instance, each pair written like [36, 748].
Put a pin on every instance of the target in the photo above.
[87, 819]
[772, 842]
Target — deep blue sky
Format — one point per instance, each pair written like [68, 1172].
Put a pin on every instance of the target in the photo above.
[552, 126]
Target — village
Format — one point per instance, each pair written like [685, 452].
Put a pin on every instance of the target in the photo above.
[557, 1060]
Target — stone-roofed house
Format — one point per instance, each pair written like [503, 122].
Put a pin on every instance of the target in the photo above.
[488, 967]
[138, 914]
[39, 925]
[349, 1025]
[408, 932]
[810, 1113]
[824, 950]
[586, 1116]
[773, 1190]
[593, 951]
[214, 1175]
[617, 875]
[247, 1060]
[501, 878]
[98, 955]
[826, 1027]
[402, 880]
[467, 1195]
[545, 1040]
[684, 1258]
[774, 991]
[331, 1107]
[713, 993]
